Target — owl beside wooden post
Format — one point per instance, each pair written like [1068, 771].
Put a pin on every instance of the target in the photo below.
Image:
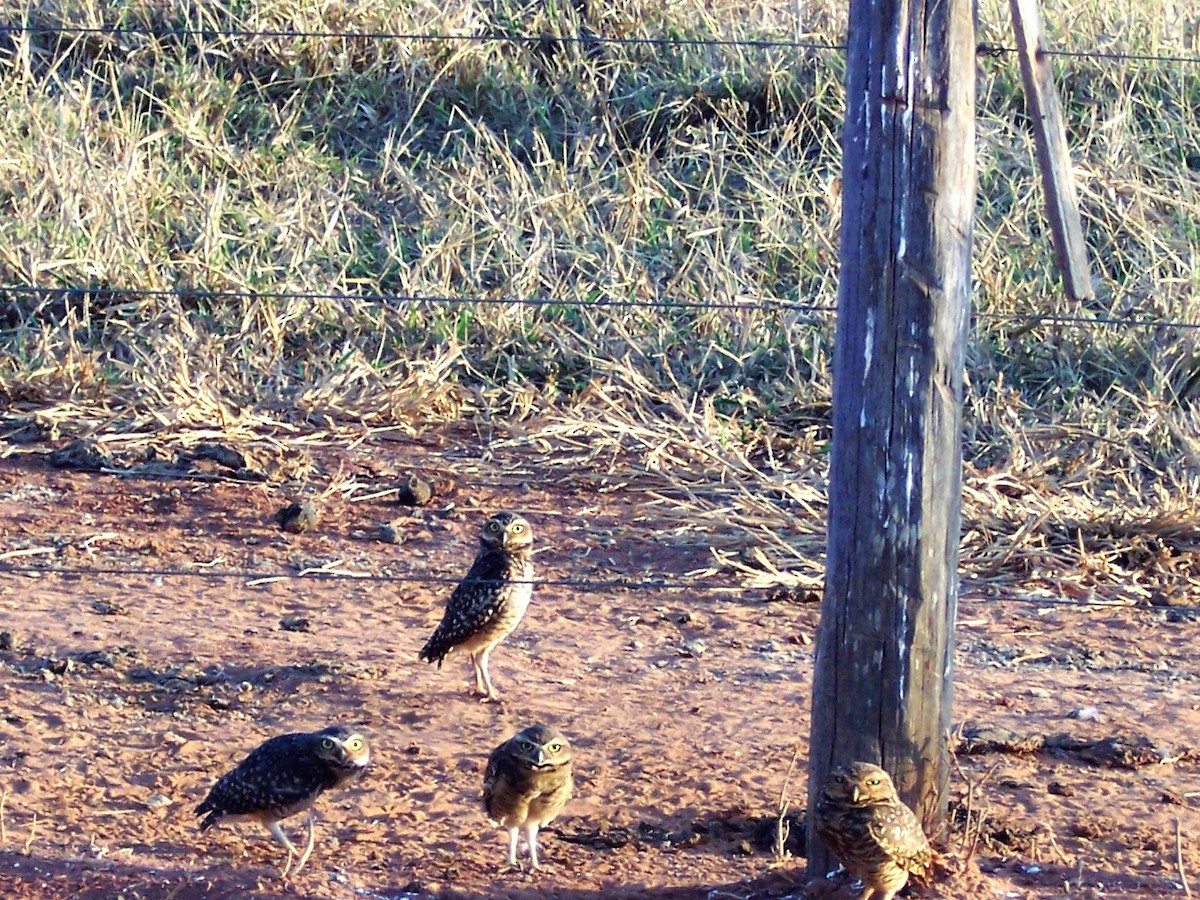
[872, 833]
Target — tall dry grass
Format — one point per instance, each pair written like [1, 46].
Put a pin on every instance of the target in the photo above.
[608, 181]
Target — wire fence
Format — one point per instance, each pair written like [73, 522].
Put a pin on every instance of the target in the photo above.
[1133, 320]
[258, 577]
[587, 37]
[590, 39]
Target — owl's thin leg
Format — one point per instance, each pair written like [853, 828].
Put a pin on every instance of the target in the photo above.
[275, 830]
[479, 676]
[531, 837]
[512, 846]
[309, 849]
[481, 667]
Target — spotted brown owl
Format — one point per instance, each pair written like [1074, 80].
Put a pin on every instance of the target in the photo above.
[526, 784]
[874, 835]
[283, 776]
[489, 602]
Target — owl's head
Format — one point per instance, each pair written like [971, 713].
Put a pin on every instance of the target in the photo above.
[859, 784]
[541, 747]
[506, 531]
[343, 750]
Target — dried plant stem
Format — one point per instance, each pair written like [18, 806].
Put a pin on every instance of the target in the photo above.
[30, 837]
[782, 829]
[1187, 891]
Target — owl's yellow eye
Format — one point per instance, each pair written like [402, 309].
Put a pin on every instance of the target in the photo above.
[327, 743]
[355, 744]
[872, 781]
[556, 747]
[518, 528]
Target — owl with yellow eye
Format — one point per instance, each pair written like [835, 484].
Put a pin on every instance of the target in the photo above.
[526, 784]
[489, 602]
[860, 817]
[283, 776]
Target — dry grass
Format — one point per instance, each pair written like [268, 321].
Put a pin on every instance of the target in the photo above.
[198, 162]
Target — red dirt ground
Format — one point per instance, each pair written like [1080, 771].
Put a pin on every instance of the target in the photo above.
[123, 696]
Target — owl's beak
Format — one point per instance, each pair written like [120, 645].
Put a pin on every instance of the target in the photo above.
[854, 794]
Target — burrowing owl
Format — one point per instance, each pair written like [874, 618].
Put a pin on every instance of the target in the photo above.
[283, 776]
[490, 601]
[876, 837]
[527, 783]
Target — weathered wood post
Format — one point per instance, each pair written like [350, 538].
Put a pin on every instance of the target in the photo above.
[1053, 157]
[882, 686]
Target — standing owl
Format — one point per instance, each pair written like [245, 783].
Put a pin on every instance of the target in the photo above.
[283, 776]
[526, 784]
[490, 601]
[876, 837]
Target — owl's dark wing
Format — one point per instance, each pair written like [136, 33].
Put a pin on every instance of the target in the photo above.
[276, 775]
[472, 605]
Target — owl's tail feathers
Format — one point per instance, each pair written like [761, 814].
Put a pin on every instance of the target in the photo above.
[436, 649]
[213, 815]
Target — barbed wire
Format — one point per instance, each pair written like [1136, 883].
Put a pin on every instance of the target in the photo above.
[397, 300]
[1099, 321]
[325, 574]
[1122, 56]
[587, 38]
[255, 578]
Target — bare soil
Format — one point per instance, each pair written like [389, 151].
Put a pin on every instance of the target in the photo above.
[122, 697]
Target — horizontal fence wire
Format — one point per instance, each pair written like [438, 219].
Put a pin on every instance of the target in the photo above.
[398, 300]
[588, 38]
[596, 586]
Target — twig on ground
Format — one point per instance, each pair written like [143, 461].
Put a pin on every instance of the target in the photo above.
[1054, 844]
[1187, 891]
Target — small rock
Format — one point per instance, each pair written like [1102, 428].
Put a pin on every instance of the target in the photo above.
[158, 801]
[298, 518]
[1059, 789]
[84, 456]
[295, 623]
[1085, 714]
[6, 640]
[106, 608]
[694, 647]
[416, 491]
[389, 534]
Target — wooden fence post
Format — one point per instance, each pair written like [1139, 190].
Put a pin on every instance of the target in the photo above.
[1053, 158]
[882, 686]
